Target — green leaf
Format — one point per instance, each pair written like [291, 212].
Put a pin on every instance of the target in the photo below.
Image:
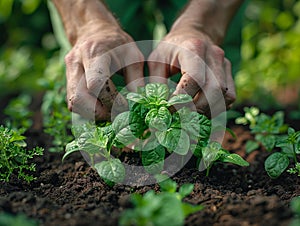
[136, 97]
[210, 153]
[170, 211]
[70, 148]
[124, 137]
[168, 185]
[180, 99]
[268, 141]
[159, 119]
[111, 170]
[190, 209]
[153, 160]
[173, 139]
[295, 205]
[137, 124]
[156, 92]
[121, 121]
[185, 190]
[251, 146]
[235, 159]
[195, 124]
[198, 148]
[90, 142]
[16, 137]
[276, 164]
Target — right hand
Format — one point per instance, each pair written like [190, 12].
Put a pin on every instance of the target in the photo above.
[90, 64]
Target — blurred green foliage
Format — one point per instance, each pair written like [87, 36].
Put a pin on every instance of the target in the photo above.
[31, 56]
[27, 44]
[270, 51]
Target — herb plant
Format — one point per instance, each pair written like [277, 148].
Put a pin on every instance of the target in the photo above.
[152, 128]
[214, 152]
[265, 128]
[160, 209]
[19, 113]
[273, 134]
[295, 206]
[56, 117]
[7, 219]
[14, 156]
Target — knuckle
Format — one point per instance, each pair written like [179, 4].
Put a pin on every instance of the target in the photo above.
[218, 50]
[153, 57]
[218, 53]
[92, 48]
[134, 56]
[70, 58]
[94, 84]
[195, 45]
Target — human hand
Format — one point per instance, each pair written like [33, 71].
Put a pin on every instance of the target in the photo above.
[100, 51]
[192, 48]
[206, 73]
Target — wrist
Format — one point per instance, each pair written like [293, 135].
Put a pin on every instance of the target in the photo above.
[80, 16]
[211, 17]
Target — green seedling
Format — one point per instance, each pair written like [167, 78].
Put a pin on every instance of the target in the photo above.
[272, 133]
[150, 127]
[265, 128]
[214, 152]
[7, 219]
[56, 117]
[278, 162]
[295, 206]
[97, 142]
[14, 156]
[160, 209]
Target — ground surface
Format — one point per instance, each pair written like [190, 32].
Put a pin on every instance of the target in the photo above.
[71, 193]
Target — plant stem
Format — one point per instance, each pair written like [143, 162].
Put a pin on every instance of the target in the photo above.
[294, 153]
[92, 160]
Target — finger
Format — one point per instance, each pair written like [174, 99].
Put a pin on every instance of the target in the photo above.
[230, 95]
[97, 72]
[134, 76]
[192, 68]
[134, 66]
[79, 100]
[210, 101]
[74, 72]
[88, 106]
[215, 62]
[162, 62]
[99, 83]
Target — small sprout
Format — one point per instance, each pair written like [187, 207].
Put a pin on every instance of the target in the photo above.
[160, 209]
[271, 133]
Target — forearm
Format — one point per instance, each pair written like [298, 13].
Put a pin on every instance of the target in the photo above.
[209, 16]
[78, 14]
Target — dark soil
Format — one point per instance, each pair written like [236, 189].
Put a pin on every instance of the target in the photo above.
[71, 193]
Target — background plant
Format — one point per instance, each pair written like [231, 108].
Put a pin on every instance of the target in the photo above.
[19, 113]
[163, 208]
[274, 135]
[15, 157]
[7, 219]
[295, 206]
[270, 52]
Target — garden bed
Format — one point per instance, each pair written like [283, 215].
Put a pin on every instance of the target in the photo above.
[71, 193]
